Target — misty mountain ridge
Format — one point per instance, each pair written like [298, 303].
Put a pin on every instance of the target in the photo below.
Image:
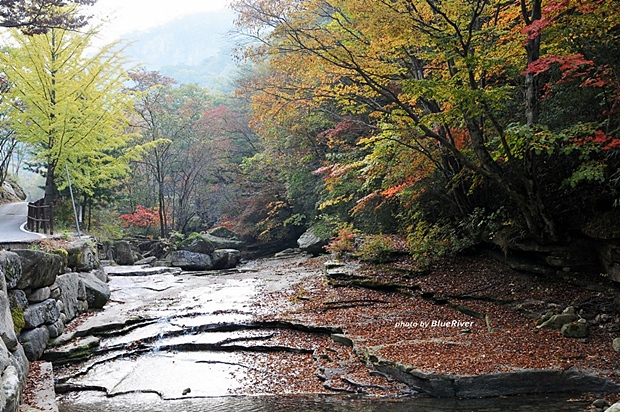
[192, 49]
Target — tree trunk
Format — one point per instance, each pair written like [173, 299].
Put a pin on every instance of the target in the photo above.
[162, 210]
[50, 186]
[523, 192]
[533, 53]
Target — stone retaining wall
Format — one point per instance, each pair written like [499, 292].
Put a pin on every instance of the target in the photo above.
[39, 294]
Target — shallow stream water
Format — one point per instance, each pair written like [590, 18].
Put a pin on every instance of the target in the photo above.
[89, 402]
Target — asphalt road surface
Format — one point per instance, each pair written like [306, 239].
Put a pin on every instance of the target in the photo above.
[13, 217]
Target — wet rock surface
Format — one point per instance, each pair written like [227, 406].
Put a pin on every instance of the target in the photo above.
[276, 326]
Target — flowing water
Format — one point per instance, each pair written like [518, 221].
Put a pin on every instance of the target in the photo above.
[183, 343]
[151, 403]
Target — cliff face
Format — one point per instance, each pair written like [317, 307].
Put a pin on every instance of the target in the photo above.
[11, 191]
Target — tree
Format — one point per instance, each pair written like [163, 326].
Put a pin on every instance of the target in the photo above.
[440, 81]
[69, 107]
[39, 16]
[166, 120]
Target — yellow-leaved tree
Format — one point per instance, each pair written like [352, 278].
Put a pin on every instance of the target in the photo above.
[69, 107]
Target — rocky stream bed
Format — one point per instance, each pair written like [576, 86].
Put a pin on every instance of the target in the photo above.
[309, 329]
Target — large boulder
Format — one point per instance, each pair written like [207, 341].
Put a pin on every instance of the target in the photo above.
[11, 265]
[575, 330]
[222, 242]
[225, 258]
[18, 299]
[39, 269]
[39, 295]
[197, 243]
[13, 371]
[41, 313]
[224, 232]
[614, 408]
[82, 256]
[311, 242]
[97, 292]
[10, 390]
[124, 253]
[190, 260]
[34, 342]
[7, 331]
[69, 287]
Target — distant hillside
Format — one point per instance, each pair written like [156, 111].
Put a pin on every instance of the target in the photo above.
[193, 49]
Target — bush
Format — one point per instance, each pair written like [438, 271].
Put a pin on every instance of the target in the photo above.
[428, 242]
[376, 249]
[343, 243]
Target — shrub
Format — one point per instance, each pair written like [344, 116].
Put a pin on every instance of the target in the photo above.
[428, 242]
[343, 243]
[376, 249]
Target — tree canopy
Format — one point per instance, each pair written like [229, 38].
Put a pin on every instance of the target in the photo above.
[472, 106]
[38, 16]
[69, 107]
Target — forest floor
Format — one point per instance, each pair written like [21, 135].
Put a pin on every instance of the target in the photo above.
[463, 316]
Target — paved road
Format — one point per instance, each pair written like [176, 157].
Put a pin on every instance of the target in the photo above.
[13, 217]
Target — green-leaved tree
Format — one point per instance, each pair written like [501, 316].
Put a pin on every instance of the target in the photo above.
[69, 107]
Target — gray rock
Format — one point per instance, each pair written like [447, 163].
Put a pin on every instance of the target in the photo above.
[56, 329]
[614, 408]
[69, 286]
[39, 269]
[39, 295]
[190, 260]
[600, 403]
[7, 331]
[97, 292]
[149, 261]
[123, 254]
[18, 299]
[569, 311]
[10, 390]
[289, 253]
[82, 306]
[72, 348]
[222, 242]
[82, 256]
[616, 344]
[34, 342]
[13, 370]
[55, 291]
[139, 270]
[11, 266]
[575, 330]
[225, 258]
[197, 244]
[311, 242]
[528, 381]
[224, 232]
[557, 321]
[342, 339]
[100, 274]
[41, 313]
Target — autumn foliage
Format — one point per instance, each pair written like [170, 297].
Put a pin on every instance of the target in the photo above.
[142, 217]
[425, 117]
